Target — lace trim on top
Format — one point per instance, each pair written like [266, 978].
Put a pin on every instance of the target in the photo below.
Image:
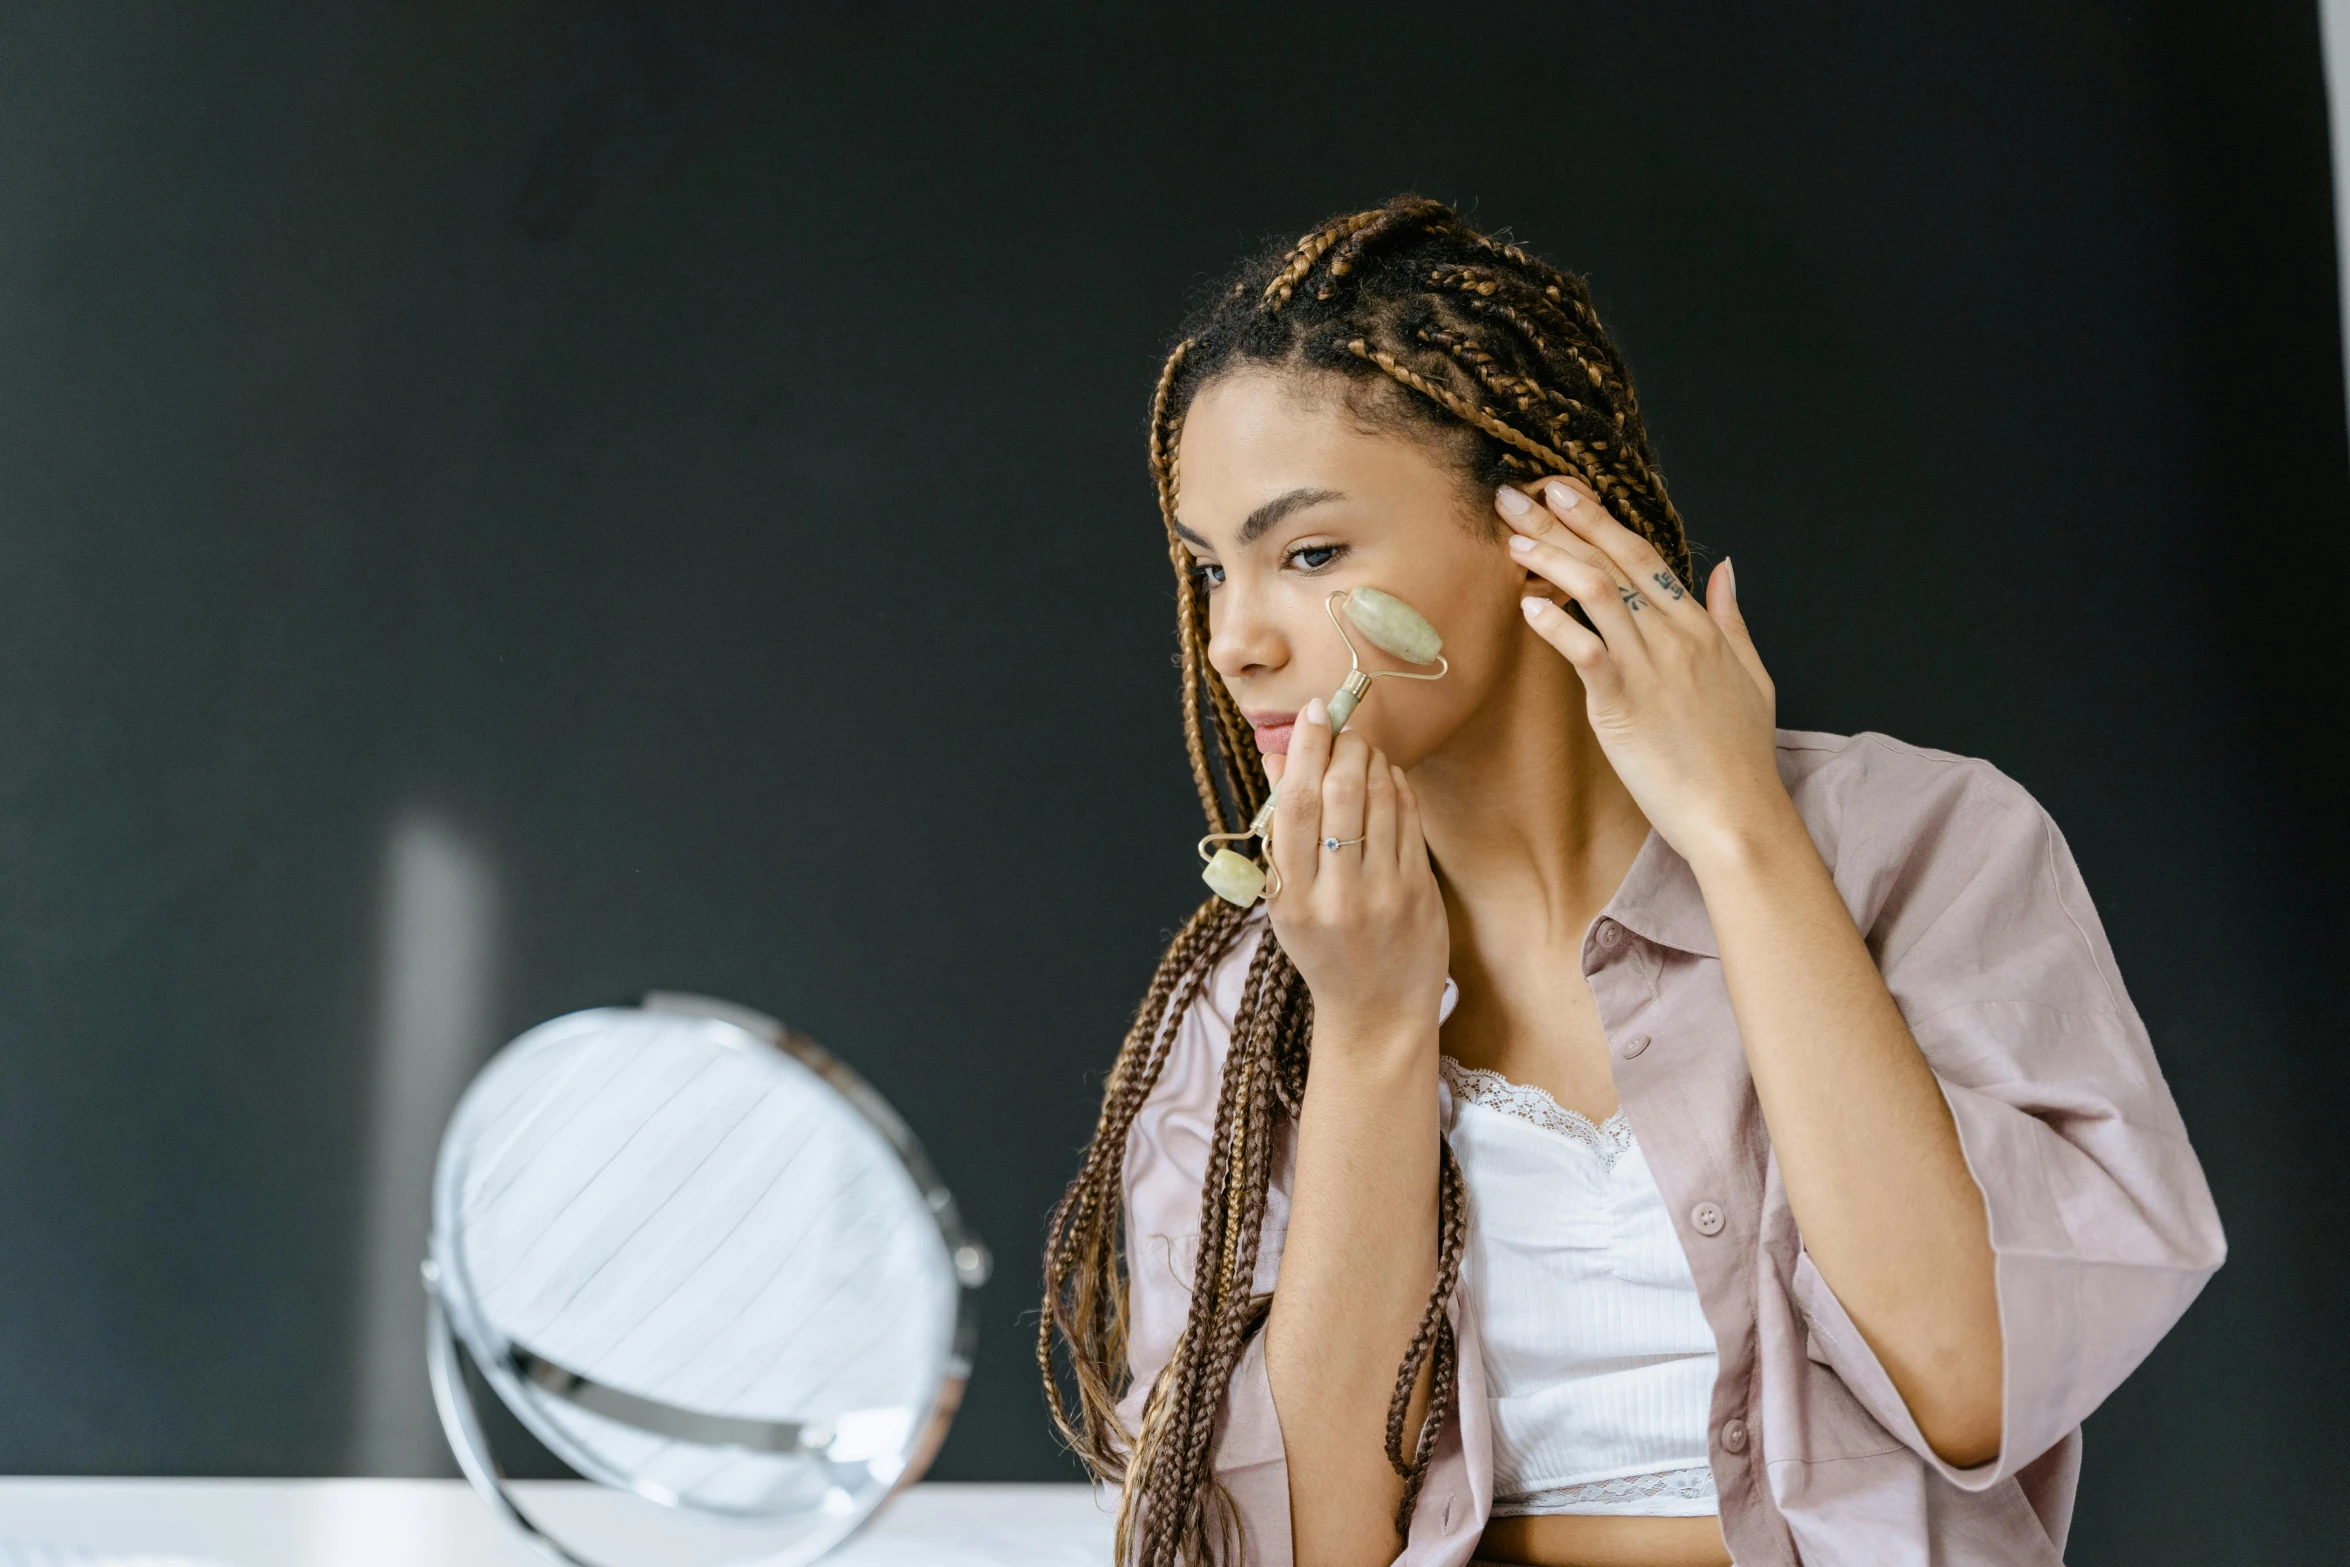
[1625, 1493]
[1611, 1139]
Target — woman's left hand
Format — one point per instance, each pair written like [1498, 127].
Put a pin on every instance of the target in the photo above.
[1676, 692]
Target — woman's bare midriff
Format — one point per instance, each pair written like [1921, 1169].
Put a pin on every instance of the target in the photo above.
[1583, 1540]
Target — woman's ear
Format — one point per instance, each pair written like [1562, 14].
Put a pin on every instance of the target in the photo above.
[1536, 585]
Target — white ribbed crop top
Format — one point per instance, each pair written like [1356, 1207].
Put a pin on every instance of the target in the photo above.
[1599, 1364]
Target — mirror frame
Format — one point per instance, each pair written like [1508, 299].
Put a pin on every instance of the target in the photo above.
[448, 1344]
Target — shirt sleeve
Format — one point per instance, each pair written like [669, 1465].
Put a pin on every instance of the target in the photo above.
[2101, 1223]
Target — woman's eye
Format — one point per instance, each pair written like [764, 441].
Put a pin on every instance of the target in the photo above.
[1315, 556]
[1208, 572]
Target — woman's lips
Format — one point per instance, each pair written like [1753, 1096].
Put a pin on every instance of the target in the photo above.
[1273, 733]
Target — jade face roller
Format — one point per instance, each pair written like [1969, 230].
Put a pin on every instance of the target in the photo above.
[1393, 627]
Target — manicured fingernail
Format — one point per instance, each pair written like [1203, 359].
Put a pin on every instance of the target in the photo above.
[1730, 576]
[1513, 501]
[1561, 496]
[1520, 544]
[1317, 712]
[1533, 607]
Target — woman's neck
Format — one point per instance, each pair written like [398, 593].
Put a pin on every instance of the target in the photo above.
[1530, 828]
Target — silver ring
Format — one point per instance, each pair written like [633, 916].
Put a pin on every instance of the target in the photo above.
[1339, 843]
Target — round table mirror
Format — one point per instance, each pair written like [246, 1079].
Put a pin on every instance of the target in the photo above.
[707, 1268]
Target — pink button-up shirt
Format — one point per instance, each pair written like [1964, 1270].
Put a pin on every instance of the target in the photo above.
[2102, 1225]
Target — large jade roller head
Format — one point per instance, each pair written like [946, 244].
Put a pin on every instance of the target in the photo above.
[1388, 624]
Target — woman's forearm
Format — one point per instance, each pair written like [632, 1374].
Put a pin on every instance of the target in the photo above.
[1865, 1142]
[1356, 1272]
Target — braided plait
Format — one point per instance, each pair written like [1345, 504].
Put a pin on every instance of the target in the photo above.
[1393, 221]
[1081, 1248]
[1165, 1517]
[1434, 1336]
[1305, 253]
[1551, 411]
[1566, 307]
[1484, 419]
[1191, 617]
[1501, 360]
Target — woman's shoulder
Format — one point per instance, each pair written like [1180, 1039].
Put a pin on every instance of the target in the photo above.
[1952, 870]
[1872, 793]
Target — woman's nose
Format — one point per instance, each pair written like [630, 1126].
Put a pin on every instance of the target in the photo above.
[1243, 639]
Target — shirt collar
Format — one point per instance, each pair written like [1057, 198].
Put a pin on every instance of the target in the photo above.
[1661, 901]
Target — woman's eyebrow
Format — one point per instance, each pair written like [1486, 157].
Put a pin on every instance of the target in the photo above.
[1261, 521]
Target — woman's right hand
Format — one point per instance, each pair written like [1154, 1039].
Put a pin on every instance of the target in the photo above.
[1364, 923]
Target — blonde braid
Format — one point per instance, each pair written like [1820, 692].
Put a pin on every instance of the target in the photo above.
[1085, 1296]
[1501, 430]
[1307, 251]
[1628, 481]
[1166, 431]
[1531, 397]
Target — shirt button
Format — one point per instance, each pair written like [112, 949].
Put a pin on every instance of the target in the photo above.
[1634, 1045]
[1707, 1217]
[1610, 933]
[1734, 1435]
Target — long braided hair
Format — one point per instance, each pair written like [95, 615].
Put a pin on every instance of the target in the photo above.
[1501, 360]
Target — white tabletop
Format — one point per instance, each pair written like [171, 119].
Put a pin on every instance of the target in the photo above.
[405, 1523]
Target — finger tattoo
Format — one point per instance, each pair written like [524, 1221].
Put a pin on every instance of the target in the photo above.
[1665, 580]
[1632, 599]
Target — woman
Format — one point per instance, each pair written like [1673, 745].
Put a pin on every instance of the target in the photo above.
[1672, 1140]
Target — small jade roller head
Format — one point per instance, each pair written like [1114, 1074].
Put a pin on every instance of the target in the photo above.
[1388, 624]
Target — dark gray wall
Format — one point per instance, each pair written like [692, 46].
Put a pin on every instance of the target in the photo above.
[692, 455]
